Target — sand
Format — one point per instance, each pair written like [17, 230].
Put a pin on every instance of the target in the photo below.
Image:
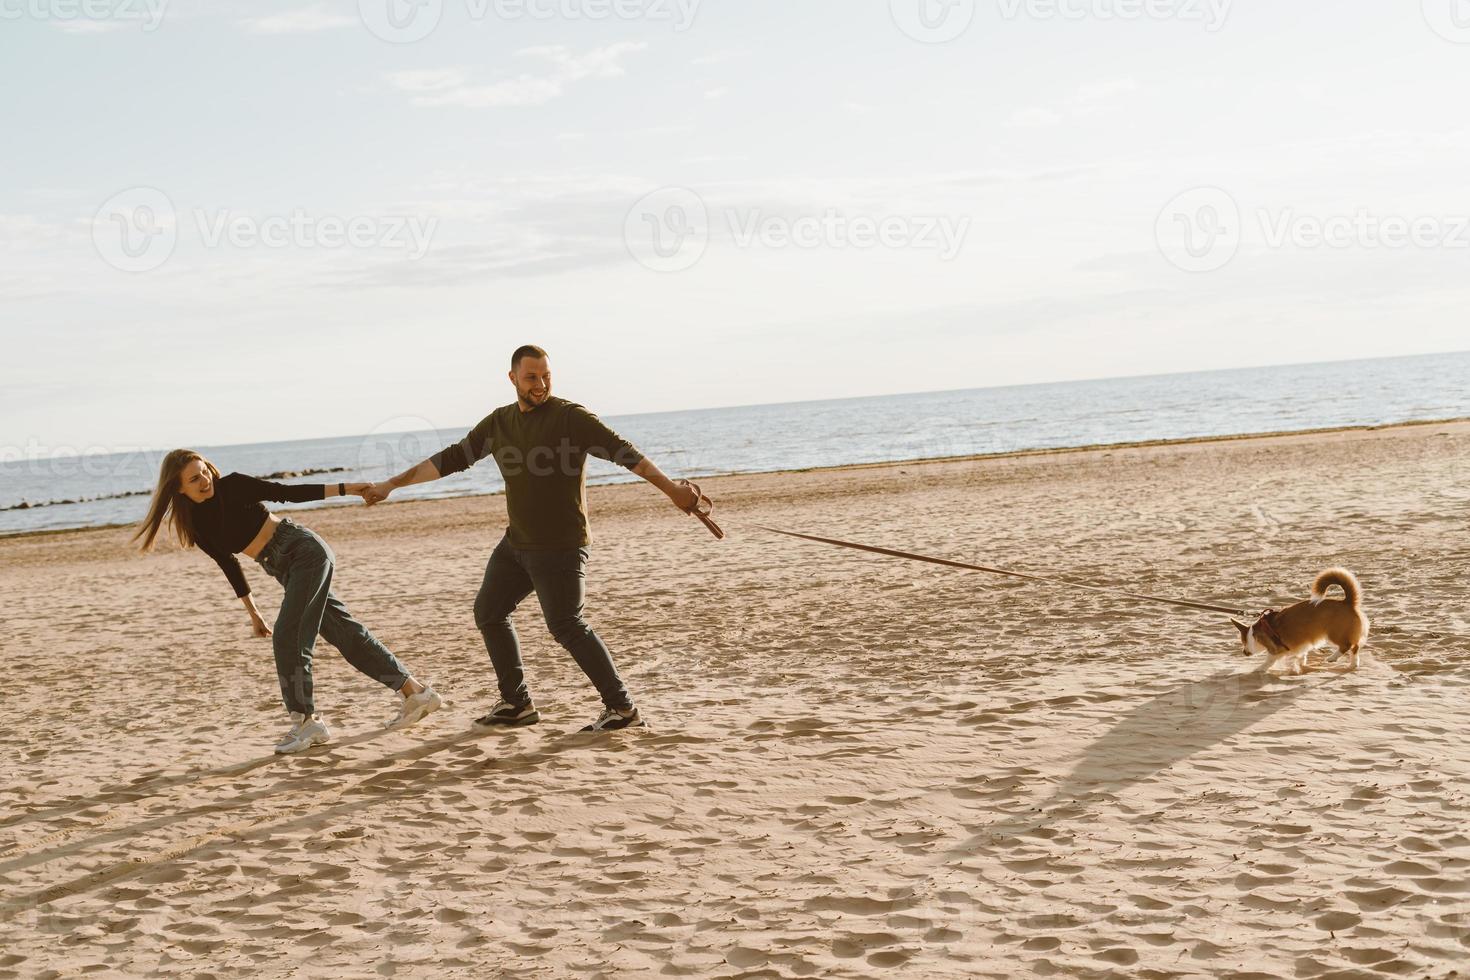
[859, 767]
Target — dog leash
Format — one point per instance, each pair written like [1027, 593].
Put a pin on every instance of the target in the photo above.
[1051, 580]
[704, 507]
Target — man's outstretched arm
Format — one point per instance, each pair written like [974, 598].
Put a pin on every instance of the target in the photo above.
[454, 459]
[425, 472]
[593, 435]
[683, 497]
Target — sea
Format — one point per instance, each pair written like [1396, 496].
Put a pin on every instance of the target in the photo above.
[100, 489]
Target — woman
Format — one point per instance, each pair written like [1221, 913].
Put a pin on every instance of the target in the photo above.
[223, 516]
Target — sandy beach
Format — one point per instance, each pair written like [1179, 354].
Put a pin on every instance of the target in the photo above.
[858, 766]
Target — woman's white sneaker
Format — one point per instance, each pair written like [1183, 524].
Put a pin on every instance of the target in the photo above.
[306, 731]
[416, 707]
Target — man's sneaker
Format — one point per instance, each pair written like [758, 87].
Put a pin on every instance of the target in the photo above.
[613, 719]
[416, 707]
[510, 715]
[306, 731]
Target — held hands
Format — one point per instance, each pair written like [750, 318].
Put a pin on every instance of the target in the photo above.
[375, 493]
[368, 491]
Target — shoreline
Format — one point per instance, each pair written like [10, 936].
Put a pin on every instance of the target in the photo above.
[885, 464]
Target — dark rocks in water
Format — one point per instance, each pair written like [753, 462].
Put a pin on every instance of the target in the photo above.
[283, 475]
[293, 474]
[27, 505]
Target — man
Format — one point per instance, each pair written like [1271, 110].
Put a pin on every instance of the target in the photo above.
[541, 445]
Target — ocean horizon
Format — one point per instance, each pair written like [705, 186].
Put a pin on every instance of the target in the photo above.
[104, 489]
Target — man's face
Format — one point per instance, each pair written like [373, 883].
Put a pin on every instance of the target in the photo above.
[532, 378]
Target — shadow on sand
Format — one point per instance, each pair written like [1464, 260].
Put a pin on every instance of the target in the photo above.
[155, 783]
[1152, 737]
[383, 782]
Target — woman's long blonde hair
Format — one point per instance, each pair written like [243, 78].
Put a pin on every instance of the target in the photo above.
[169, 504]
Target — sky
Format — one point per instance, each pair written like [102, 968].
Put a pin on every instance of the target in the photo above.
[251, 220]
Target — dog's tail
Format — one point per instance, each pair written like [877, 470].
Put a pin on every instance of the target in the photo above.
[1346, 580]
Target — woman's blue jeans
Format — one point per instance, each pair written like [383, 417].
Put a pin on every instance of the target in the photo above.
[303, 564]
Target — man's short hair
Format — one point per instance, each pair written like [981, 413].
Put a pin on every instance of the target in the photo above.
[530, 350]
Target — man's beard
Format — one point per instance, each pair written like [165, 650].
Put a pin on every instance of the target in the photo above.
[528, 403]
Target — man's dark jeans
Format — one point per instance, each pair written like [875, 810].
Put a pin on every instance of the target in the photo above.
[559, 579]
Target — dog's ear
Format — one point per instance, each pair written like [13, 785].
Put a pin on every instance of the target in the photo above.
[1244, 629]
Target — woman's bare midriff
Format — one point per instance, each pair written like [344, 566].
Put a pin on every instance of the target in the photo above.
[267, 531]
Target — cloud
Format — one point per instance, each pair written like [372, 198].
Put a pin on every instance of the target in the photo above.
[1034, 117]
[513, 227]
[497, 228]
[601, 62]
[428, 80]
[89, 26]
[25, 234]
[1089, 98]
[668, 129]
[305, 21]
[468, 265]
[1092, 93]
[719, 57]
[522, 91]
[454, 87]
[704, 159]
[518, 227]
[998, 178]
[716, 93]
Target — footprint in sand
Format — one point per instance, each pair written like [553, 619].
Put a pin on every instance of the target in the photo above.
[1338, 921]
[854, 945]
[1378, 898]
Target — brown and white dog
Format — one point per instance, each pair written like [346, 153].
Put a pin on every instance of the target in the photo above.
[1288, 635]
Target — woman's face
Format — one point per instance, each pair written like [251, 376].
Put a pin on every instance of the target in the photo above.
[195, 481]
